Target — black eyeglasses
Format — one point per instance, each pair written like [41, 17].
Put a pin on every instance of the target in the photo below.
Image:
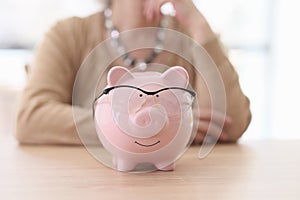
[174, 99]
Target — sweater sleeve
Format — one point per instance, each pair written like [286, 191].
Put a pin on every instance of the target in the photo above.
[237, 104]
[45, 112]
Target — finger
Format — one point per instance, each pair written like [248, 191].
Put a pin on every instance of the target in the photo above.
[209, 128]
[152, 9]
[209, 114]
[215, 116]
[158, 6]
[213, 130]
[198, 138]
[204, 123]
[148, 10]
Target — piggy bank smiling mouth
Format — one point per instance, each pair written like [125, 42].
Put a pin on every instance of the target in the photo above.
[146, 145]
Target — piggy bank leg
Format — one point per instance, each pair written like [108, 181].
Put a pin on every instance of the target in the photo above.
[123, 165]
[168, 167]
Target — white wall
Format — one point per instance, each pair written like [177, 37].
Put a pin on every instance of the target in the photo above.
[286, 55]
[25, 21]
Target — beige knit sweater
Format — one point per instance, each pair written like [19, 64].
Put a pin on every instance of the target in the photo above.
[45, 110]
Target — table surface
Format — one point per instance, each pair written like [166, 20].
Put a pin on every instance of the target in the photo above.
[247, 170]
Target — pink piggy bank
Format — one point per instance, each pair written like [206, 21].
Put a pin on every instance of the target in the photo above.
[145, 117]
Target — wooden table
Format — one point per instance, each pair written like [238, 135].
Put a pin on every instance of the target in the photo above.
[248, 170]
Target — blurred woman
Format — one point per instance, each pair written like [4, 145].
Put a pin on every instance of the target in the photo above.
[45, 111]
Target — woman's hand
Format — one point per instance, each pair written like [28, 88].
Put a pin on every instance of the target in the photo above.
[186, 13]
[195, 23]
[217, 129]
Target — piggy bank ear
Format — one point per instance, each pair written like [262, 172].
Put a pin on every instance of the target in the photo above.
[176, 76]
[118, 74]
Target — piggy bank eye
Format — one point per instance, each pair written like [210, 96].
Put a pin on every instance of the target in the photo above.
[157, 95]
[140, 95]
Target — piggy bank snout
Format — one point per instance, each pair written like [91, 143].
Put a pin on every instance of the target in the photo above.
[142, 118]
[151, 120]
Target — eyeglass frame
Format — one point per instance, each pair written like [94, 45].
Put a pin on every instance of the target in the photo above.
[151, 93]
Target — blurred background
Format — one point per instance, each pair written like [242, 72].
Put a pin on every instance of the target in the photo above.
[262, 37]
